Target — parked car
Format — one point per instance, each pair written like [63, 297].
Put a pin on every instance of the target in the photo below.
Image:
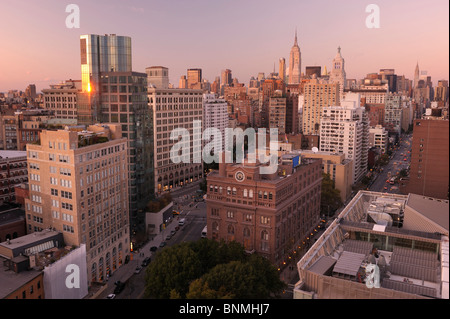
[119, 288]
[111, 296]
[168, 237]
[138, 270]
[153, 248]
[162, 244]
[146, 261]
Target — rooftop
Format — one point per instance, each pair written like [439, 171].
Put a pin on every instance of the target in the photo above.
[382, 229]
[12, 154]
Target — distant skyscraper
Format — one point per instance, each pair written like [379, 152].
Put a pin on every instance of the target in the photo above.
[183, 82]
[338, 72]
[194, 78]
[282, 69]
[295, 63]
[227, 78]
[416, 75]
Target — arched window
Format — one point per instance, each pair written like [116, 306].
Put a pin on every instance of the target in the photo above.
[231, 229]
[228, 190]
[245, 193]
[215, 226]
[234, 191]
[250, 194]
[264, 235]
[246, 232]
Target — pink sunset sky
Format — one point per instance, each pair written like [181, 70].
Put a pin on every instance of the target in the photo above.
[246, 36]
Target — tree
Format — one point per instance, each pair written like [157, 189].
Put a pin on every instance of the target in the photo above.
[330, 199]
[208, 269]
[172, 271]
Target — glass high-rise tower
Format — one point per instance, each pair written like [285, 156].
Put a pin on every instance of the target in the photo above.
[108, 53]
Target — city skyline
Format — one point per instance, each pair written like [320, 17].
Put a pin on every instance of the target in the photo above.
[246, 38]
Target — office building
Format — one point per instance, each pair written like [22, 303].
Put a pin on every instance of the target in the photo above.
[295, 63]
[194, 79]
[282, 69]
[226, 78]
[406, 237]
[429, 171]
[124, 102]
[108, 53]
[99, 54]
[78, 183]
[267, 214]
[62, 99]
[317, 96]
[172, 109]
[441, 91]
[344, 129]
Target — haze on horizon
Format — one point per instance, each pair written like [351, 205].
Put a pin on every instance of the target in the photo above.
[246, 36]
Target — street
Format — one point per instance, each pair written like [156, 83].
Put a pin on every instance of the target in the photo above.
[195, 216]
[400, 160]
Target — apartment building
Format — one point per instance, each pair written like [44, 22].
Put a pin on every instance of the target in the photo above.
[78, 184]
[13, 172]
[316, 97]
[344, 130]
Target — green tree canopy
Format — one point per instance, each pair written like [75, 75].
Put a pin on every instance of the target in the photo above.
[208, 269]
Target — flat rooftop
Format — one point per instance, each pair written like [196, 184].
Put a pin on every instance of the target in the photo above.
[29, 239]
[11, 281]
[12, 154]
[413, 263]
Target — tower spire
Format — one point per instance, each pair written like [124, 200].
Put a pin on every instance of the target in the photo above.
[295, 42]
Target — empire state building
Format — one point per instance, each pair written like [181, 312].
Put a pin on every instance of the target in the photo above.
[295, 63]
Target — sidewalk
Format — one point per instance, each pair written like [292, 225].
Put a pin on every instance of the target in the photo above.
[127, 270]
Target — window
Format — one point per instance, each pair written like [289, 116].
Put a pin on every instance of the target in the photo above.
[230, 214]
[265, 220]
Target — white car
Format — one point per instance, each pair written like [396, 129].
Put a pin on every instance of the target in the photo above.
[138, 270]
[111, 296]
